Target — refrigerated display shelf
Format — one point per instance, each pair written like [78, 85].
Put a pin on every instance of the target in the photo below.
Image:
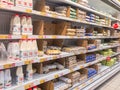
[39, 79]
[98, 79]
[53, 16]
[14, 63]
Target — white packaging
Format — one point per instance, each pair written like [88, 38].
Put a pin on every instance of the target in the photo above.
[35, 48]
[30, 4]
[66, 80]
[4, 3]
[15, 26]
[29, 25]
[24, 25]
[13, 50]
[3, 52]
[25, 3]
[23, 49]
[29, 72]
[19, 75]
[1, 80]
[30, 48]
[8, 78]
[19, 3]
[11, 3]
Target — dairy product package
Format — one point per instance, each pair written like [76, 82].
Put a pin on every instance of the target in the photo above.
[15, 26]
[29, 25]
[1, 80]
[4, 3]
[13, 51]
[3, 52]
[30, 4]
[11, 3]
[35, 48]
[19, 3]
[19, 75]
[8, 78]
[23, 49]
[24, 25]
[29, 72]
[30, 48]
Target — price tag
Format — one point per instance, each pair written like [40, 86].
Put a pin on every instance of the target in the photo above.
[76, 88]
[81, 67]
[28, 10]
[54, 15]
[43, 13]
[83, 85]
[42, 81]
[91, 80]
[24, 37]
[56, 76]
[43, 60]
[54, 37]
[71, 70]
[27, 86]
[27, 62]
[3, 36]
[54, 57]
[71, 36]
[40, 37]
[7, 66]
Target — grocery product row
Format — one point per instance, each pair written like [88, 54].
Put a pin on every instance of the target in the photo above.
[32, 74]
[68, 13]
[56, 44]
[21, 52]
[22, 27]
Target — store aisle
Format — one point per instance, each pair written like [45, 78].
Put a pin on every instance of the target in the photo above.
[111, 84]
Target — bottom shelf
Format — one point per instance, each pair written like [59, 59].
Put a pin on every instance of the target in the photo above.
[98, 79]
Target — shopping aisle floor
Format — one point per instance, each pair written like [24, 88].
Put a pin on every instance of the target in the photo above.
[112, 84]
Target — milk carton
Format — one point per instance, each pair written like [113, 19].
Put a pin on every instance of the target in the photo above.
[15, 25]
[19, 3]
[1, 80]
[11, 3]
[13, 50]
[35, 48]
[30, 49]
[23, 49]
[29, 72]
[4, 3]
[19, 75]
[8, 78]
[29, 25]
[24, 25]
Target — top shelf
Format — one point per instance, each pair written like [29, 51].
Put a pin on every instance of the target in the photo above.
[84, 8]
[113, 3]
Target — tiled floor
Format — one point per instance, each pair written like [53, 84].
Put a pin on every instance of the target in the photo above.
[112, 84]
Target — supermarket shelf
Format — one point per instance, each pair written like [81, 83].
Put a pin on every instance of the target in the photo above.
[114, 3]
[13, 63]
[103, 78]
[54, 16]
[39, 79]
[2, 36]
[69, 2]
[98, 79]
